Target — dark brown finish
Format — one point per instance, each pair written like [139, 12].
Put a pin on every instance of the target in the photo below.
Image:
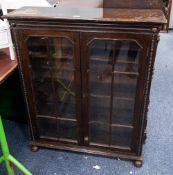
[89, 14]
[86, 76]
[138, 163]
[34, 148]
[133, 4]
[7, 66]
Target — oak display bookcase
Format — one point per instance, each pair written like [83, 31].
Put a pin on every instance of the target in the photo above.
[86, 75]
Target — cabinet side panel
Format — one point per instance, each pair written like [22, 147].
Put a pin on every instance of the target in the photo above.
[153, 40]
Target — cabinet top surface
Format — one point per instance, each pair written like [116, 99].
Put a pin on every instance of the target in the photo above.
[90, 14]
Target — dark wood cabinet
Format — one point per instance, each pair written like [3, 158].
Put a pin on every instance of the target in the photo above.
[86, 75]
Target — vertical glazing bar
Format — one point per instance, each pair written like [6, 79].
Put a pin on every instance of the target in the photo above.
[112, 86]
[48, 47]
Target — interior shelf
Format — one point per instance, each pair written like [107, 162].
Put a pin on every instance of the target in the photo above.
[104, 97]
[108, 67]
[100, 60]
[110, 125]
[42, 55]
[118, 58]
[120, 136]
[66, 64]
[57, 118]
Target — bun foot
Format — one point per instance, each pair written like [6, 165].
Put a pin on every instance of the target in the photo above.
[34, 148]
[138, 163]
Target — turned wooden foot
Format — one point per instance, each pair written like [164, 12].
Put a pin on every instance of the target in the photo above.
[138, 163]
[34, 148]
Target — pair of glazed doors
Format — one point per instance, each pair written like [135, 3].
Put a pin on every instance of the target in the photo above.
[85, 88]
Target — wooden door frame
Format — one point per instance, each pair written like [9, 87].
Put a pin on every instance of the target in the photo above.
[23, 60]
[87, 37]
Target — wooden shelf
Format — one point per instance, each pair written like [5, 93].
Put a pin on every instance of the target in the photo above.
[105, 59]
[117, 48]
[106, 96]
[7, 66]
[40, 55]
[112, 125]
[57, 118]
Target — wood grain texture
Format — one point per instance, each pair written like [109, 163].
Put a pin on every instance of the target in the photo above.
[7, 66]
[133, 4]
[90, 14]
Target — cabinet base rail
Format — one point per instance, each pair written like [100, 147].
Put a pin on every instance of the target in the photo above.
[137, 160]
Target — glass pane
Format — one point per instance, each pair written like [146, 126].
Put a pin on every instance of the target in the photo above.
[46, 109]
[67, 129]
[98, 84]
[100, 80]
[122, 112]
[42, 84]
[99, 133]
[113, 76]
[127, 51]
[41, 49]
[99, 109]
[51, 62]
[47, 127]
[125, 67]
[121, 136]
[37, 48]
[100, 91]
[65, 93]
[124, 85]
[52, 70]
[66, 109]
[101, 50]
[63, 49]
[64, 80]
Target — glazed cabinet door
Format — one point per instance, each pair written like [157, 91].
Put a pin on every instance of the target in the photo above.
[113, 89]
[51, 68]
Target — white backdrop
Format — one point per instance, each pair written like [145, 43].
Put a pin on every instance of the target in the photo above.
[14, 4]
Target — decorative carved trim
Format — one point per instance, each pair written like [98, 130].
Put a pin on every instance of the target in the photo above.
[22, 79]
[150, 70]
[147, 84]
